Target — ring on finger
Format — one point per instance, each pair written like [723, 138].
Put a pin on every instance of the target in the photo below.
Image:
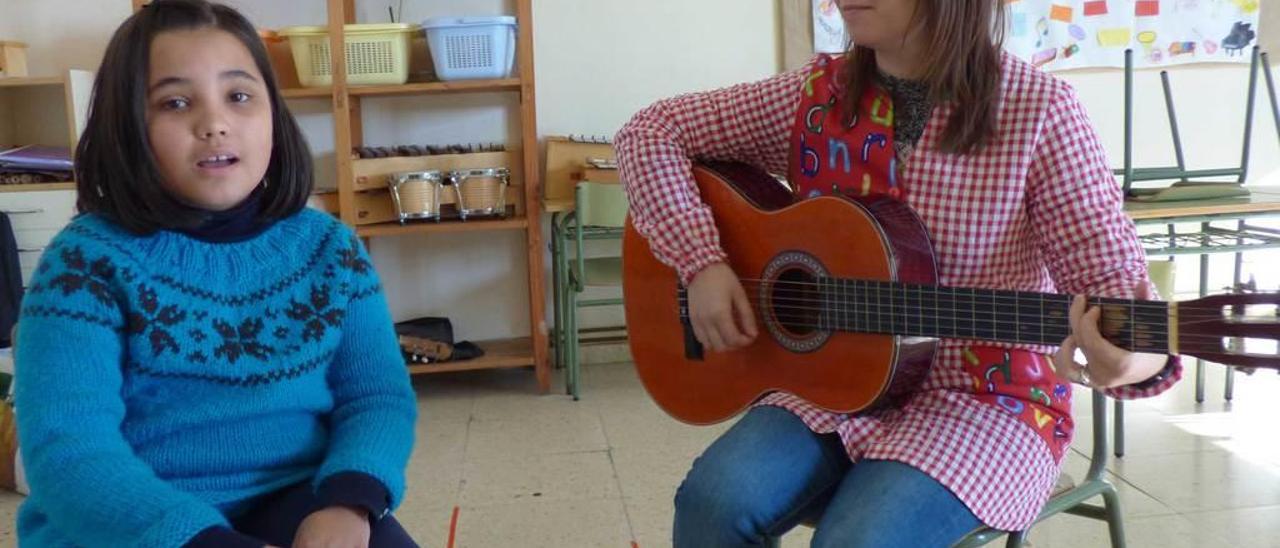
[1085, 379]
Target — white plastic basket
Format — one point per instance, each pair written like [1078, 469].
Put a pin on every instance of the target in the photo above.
[465, 48]
[376, 54]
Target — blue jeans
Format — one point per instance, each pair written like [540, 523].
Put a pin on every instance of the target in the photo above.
[770, 472]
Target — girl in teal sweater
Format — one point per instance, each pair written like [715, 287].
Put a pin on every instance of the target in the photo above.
[201, 359]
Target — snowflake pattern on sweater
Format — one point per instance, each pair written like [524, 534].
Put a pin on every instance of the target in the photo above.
[167, 382]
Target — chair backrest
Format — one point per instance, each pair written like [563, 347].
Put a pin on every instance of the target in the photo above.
[600, 204]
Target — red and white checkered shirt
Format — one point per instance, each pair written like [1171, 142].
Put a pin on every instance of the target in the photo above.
[1036, 210]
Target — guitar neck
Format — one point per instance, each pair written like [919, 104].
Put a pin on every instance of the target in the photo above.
[982, 314]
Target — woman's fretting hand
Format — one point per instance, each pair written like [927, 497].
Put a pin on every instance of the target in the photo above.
[1108, 365]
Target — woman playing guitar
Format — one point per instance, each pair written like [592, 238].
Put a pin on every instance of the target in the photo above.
[1001, 164]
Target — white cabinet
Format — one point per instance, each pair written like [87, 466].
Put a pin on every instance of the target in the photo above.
[36, 218]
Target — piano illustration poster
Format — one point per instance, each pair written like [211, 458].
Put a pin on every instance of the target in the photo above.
[1064, 34]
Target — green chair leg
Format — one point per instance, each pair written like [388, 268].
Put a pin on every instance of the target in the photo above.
[574, 365]
[567, 337]
[1016, 539]
[1115, 520]
[566, 328]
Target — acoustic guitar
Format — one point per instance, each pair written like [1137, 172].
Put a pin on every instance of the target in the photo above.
[846, 296]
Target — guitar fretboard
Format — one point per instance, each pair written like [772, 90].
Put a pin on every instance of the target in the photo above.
[980, 314]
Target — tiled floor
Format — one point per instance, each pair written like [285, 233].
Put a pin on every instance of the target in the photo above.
[532, 471]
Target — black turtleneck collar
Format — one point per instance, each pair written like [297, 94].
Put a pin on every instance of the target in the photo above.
[237, 224]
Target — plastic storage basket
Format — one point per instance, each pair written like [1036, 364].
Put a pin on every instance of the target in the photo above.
[465, 48]
[376, 54]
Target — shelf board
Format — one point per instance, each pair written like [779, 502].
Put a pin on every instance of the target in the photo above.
[412, 88]
[498, 354]
[25, 81]
[305, 93]
[37, 186]
[420, 227]
[461, 86]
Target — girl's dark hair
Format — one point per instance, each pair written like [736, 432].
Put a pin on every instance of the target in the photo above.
[116, 173]
[962, 65]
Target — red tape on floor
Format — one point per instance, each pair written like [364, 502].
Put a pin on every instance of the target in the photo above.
[453, 527]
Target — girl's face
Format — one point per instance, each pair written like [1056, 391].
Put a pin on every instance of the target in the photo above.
[878, 24]
[208, 117]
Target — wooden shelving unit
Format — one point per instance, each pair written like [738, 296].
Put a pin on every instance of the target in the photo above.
[349, 133]
[45, 110]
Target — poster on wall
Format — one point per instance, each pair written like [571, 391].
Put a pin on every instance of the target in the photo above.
[1065, 34]
[828, 27]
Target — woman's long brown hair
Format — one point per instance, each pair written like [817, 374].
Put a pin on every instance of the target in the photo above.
[962, 66]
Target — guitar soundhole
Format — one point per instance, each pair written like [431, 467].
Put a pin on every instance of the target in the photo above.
[791, 301]
[795, 299]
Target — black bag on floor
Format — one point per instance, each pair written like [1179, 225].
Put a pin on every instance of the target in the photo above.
[10, 281]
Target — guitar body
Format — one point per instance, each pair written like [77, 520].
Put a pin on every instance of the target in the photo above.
[771, 238]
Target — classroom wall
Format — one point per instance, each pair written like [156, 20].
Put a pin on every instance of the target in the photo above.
[597, 62]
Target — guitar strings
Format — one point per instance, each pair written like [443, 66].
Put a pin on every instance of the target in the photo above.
[873, 303]
[958, 309]
[873, 316]
[1004, 299]
[1158, 336]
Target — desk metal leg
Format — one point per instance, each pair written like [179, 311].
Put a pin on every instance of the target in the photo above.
[1229, 391]
[1119, 433]
[1204, 290]
[557, 328]
[1229, 388]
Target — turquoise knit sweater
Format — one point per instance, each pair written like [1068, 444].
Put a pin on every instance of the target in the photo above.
[164, 382]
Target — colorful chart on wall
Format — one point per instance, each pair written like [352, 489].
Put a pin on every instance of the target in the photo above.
[1064, 34]
[828, 28]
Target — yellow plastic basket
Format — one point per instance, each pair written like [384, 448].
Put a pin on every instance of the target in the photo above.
[377, 54]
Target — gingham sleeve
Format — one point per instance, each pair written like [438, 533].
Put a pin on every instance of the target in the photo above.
[748, 123]
[1090, 246]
